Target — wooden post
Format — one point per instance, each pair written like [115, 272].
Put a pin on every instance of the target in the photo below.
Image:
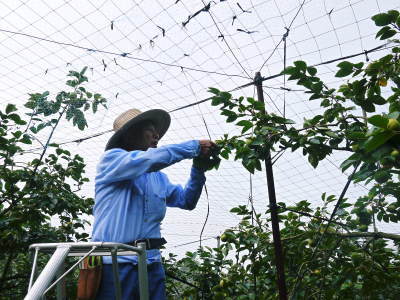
[280, 270]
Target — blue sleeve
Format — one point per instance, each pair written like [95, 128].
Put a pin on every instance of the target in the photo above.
[118, 164]
[187, 197]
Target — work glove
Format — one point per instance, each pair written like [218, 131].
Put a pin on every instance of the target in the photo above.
[209, 161]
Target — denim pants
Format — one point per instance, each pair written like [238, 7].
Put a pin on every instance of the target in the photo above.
[128, 276]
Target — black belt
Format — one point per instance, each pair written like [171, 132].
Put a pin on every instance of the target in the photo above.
[150, 243]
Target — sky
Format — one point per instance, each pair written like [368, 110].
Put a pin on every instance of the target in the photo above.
[166, 54]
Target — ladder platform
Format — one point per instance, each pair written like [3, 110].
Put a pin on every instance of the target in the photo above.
[60, 251]
[82, 248]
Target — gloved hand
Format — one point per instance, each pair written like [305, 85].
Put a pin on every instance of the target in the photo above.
[206, 162]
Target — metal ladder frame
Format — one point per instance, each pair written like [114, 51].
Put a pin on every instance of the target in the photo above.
[61, 251]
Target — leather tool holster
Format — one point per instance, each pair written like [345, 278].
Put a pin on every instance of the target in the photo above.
[89, 278]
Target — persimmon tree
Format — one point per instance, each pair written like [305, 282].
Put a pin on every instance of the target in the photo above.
[328, 255]
[38, 184]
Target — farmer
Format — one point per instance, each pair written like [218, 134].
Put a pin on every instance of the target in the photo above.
[131, 195]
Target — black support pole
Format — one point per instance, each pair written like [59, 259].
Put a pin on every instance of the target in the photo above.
[280, 270]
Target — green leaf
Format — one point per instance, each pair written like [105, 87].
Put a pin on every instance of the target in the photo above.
[231, 118]
[300, 65]
[356, 135]
[315, 96]
[368, 106]
[382, 19]
[213, 91]
[345, 65]
[378, 121]
[377, 99]
[26, 139]
[313, 160]
[325, 103]
[216, 101]
[235, 210]
[289, 70]
[83, 71]
[385, 33]
[312, 71]
[350, 161]
[17, 119]
[346, 68]
[224, 154]
[343, 73]
[394, 14]
[94, 107]
[225, 96]
[374, 142]
[10, 108]
[245, 124]
[332, 134]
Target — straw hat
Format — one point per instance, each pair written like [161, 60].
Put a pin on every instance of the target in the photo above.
[128, 120]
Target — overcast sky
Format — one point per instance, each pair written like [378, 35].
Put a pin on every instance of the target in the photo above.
[161, 54]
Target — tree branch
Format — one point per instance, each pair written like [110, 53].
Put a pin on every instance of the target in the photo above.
[376, 235]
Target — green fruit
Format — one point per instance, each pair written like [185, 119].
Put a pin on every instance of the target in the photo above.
[223, 237]
[395, 153]
[393, 124]
[355, 147]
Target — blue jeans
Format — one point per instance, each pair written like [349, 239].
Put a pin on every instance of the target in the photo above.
[128, 276]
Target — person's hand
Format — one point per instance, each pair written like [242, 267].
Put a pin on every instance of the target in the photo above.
[209, 156]
[206, 146]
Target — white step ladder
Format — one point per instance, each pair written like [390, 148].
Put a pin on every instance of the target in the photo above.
[61, 251]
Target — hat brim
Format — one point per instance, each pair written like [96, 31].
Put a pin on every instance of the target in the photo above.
[160, 118]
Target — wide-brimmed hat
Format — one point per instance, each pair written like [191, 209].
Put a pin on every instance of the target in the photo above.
[128, 121]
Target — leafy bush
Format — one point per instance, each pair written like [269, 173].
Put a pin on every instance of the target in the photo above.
[39, 184]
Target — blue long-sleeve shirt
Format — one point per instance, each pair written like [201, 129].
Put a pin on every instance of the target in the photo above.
[131, 194]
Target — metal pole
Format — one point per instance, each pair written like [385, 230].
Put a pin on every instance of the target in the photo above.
[62, 276]
[33, 268]
[48, 273]
[61, 291]
[273, 208]
[143, 279]
[117, 283]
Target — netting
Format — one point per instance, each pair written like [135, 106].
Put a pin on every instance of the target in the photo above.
[165, 54]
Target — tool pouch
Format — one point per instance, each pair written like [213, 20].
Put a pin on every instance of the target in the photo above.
[89, 278]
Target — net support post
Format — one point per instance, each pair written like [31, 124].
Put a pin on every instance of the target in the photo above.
[280, 270]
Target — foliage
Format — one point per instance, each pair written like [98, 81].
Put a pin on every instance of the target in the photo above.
[243, 267]
[40, 184]
[373, 144]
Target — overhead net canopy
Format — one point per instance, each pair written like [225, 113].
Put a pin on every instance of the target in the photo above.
[166, 54]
